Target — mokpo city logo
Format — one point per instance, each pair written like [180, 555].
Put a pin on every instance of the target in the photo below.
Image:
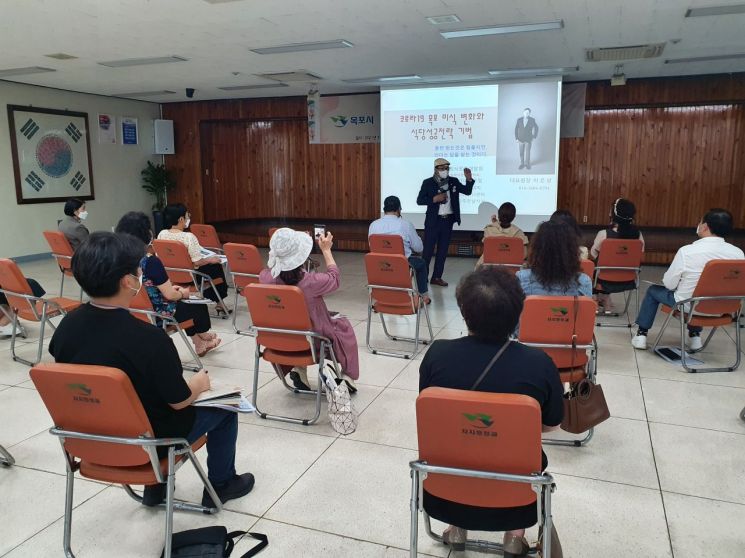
[80, 389]
[479, 420]
[339, 121]
[385, 266]
[274, 299]
[622, 249]
[558, 314]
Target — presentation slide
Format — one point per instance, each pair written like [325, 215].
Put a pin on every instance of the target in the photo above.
[507, 133]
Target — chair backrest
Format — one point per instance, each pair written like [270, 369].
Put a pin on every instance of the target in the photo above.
[279, 307]
[386, 244]
[94, 400]
[12, 279]
[272, 230]
[243, 258]
[720, 278]
[389, 270]
[174, 254]
[206, 234]
[587, 267]
[142, 302]
[616, 252]
[556, 320]
[60, 246]
[493, 432]
[501, 250]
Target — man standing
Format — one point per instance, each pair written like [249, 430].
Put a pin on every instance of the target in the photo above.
[440, 194]
[526, 130]
[681, 278]
[392, 223]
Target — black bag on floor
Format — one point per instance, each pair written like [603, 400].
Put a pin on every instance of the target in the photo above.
[212, 542]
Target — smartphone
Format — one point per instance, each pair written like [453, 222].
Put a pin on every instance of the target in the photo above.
[319, 230]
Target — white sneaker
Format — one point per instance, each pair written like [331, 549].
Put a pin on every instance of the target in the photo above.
[639, 342]
[694, 342]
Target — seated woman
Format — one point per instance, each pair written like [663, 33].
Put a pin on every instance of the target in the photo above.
[288, 251]
[621, 226]
[565, 216]
[553, 266]
[72, 225]
[491, 301]
[501, 225]
[176, 218]
[164, 296]
[6, 325]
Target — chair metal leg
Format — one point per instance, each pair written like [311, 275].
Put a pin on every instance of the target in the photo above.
[169, 502]
[6, 458]
[195, 357]
[627, 302]
[416, 340]
[414, 508]
[235, 310]
[62, 283]
[67, 536]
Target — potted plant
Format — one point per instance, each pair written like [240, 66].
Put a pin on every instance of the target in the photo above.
[157, 181]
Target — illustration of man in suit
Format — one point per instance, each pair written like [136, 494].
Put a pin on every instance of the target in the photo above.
[526, 130]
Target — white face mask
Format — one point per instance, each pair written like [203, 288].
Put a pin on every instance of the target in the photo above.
[698, 229]
[443, 173]
[140, 279]
[83, 215]
[187, 223]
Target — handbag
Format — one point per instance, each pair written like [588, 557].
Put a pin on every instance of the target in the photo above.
[584, 403]
[342, 414]
[211, 542]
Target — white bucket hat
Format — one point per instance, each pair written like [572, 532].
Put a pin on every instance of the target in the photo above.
[288, 250]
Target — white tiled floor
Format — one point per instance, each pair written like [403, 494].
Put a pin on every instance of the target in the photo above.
[663, 477]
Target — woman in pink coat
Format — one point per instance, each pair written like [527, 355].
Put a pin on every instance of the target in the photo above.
[288, 252]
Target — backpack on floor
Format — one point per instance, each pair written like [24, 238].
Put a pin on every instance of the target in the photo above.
[212, 542]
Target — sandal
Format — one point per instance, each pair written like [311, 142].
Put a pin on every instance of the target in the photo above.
[207, 336]
[455, 538]
[515, 546]
[209, 346]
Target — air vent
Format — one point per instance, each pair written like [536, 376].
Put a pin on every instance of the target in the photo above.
[10, 72]
[615, 54]
[443, 19]
[299, 75]
[245, 87]
[138, 94]
[143, 61]
[716, 10]
[61, 56]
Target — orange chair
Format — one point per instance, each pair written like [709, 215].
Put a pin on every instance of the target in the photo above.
[391, 291]
[272, 230]
[386, 244]
[107, 436]
[588, 268]
[620, 261]
[6, 458]
[62, 252]
[504, 251]
[716, 301]
[180, 268]
[142, 308]
[207, 236]
[479, 449]
[285, 338]
[563, 326]
[23, 304]
[245, 265]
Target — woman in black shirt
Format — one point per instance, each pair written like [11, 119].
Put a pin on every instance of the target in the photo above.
[491, 301]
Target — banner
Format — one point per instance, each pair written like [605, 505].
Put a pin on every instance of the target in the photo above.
[344, 119]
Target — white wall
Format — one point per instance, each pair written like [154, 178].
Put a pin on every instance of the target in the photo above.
[116, 168]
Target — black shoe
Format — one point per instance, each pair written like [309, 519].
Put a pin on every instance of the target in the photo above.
[522, 166]
[154, 494]
[298, 382]
[237, 487]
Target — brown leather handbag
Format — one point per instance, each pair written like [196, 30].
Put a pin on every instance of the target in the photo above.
[584, 407]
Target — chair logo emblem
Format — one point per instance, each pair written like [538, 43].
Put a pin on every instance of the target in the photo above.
[275, 302]
[386, 266]
[623, 249]
[558, 314]
[733, 274]
[479, 420]
[504, 247]
[82, 389]
[387, 243]
[83, 393]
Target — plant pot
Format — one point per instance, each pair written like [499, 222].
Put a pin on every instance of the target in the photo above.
[157, 222]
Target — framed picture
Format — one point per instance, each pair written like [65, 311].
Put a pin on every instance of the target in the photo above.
[51, 154]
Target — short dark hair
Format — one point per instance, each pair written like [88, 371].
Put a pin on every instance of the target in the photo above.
[72, 205]
[566, 216]
[719, 221]
[391, 203]
[506, 214]
[292, 277]
[490, 301]
[137, 224]
[103, 259]
[172, 213]
[554, 255]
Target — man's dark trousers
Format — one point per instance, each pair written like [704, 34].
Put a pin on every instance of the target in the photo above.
[438, 234]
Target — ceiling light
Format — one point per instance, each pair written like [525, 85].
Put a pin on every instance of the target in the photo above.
[145, 93]
[299, 75]
[503, 29]
[303, 47]
[24, 71]
[387, 79]
[705, 58]
[716, 10]
[443, 19]
[533, 71]
[61, 56]
[244, 87]
[143, 61]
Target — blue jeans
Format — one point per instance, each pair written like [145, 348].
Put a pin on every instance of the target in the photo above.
[221, 428]
[420, 272]
[656, 295]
